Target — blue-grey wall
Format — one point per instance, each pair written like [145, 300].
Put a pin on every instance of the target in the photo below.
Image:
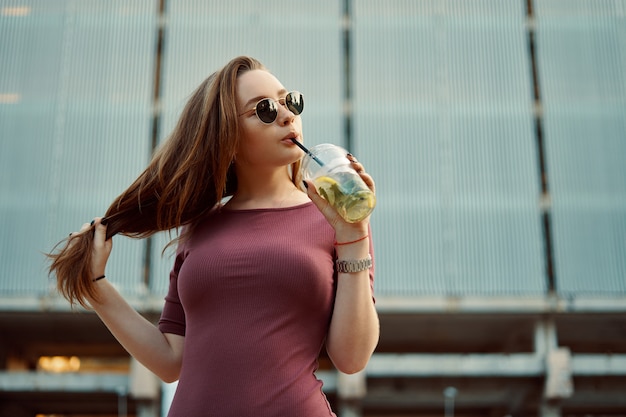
[441, 110]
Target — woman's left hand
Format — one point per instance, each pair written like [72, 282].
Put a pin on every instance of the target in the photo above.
[342, 227]
[354, 329]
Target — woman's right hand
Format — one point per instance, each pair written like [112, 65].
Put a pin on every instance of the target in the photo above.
[101, 248]
[160, 352]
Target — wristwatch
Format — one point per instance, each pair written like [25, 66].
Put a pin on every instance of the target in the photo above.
[354, 266]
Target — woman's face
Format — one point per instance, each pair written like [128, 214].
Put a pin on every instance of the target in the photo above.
[265, 145]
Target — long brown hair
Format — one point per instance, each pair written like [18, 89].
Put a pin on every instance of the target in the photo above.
[188, 175]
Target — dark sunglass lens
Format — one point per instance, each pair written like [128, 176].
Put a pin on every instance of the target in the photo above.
[295, 102]
[267, 110]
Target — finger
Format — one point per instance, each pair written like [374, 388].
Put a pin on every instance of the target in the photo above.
[101, 248]
[100, 231]
[73, 235]
[313, 194]
[83, 229]
[369, 181]
[322, 205]
[358, 167]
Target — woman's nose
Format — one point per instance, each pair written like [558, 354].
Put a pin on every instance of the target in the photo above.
[285, 116]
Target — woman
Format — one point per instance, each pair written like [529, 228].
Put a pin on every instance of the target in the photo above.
[254, 293]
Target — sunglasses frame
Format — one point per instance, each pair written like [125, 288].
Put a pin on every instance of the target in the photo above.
[273, 104]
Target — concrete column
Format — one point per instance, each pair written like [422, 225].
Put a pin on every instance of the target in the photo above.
[349, 409]
[549, 410]
[351, 389]
[147, 409]
[558, 374]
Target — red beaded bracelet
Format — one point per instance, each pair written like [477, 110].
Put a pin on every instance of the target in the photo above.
[352, 241]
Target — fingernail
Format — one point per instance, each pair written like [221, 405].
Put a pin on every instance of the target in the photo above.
[305, 184]
[104, 221]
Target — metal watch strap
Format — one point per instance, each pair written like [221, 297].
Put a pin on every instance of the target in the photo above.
[354, 266]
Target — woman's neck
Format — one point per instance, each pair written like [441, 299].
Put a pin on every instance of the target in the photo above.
[266, 193]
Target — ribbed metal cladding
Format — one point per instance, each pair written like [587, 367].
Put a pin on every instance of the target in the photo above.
[582, 57]
[300, 45]
[76, 87]
[441, 111]
[443, 120]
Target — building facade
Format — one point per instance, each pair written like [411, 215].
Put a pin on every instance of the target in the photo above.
[496, 132]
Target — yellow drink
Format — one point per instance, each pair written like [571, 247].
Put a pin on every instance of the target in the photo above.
[338, 183]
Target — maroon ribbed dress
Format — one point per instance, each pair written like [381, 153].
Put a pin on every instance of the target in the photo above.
[252, 291]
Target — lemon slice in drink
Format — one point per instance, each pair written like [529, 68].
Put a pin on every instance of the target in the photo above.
[353, 205]
[328, 189]
[359, 205]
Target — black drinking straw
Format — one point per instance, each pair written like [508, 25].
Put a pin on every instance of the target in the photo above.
[308, 152]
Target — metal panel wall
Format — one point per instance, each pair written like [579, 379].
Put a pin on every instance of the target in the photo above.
[299, 41]
[443, 120]
[582, 57]
[76, 84]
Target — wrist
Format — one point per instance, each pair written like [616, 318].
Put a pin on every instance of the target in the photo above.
[358, 250]
[354, 265]
[351, 242]
[349, 234]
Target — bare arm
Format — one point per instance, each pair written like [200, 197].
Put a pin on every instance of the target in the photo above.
[354, 328]
[159, 352]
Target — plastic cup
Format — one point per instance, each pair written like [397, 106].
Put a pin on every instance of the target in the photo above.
[335, 180]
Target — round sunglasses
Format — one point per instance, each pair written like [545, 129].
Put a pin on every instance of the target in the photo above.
[267, 109]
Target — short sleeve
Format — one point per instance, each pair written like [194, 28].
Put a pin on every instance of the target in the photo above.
[173, 316]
